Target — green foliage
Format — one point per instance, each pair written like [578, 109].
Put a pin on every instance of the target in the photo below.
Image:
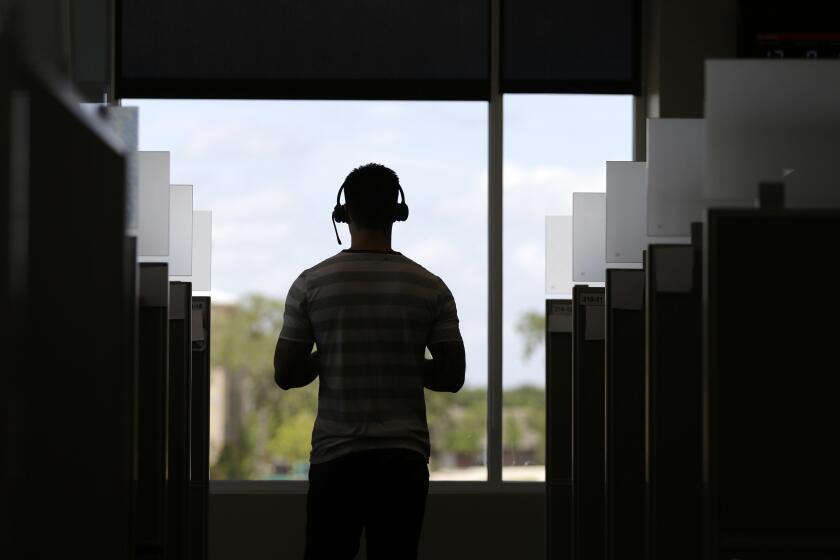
[531, 326]
[292, 437]
[244, 335]
[267, 427]
[457, 421]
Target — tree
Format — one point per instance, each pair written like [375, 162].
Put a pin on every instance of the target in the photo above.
[292, 438]
[244, 335]
[531, 326]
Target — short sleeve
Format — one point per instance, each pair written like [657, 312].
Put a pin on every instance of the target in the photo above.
[445, 327]
[296, 323]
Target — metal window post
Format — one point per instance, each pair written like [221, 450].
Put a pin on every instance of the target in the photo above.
[494, 315]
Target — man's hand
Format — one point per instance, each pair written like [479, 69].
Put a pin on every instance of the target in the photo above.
[445, 371]
[295, 364]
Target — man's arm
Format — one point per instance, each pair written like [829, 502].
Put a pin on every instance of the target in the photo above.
[295, 364]
[445, 371]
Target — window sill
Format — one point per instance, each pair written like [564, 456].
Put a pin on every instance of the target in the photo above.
[435, 487]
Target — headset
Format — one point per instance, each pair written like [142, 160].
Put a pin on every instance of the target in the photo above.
[339, 213]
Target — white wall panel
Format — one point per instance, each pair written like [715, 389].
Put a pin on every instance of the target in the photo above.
[627, 235]
[676, 157]
[202, 251]
[558, 255]
[773, 120]
[589, 232]
[153, 204]
[180, 230]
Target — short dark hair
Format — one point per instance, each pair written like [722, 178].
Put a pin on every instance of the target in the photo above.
[371, 191]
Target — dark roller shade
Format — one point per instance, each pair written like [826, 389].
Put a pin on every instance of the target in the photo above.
[560, 46]
[317, 49]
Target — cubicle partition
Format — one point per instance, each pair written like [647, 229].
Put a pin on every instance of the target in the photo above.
[772, 419]
[625, 414]
[180, 373]
[72, 280]
[559, 403]
[199, 427]
[153, 411]
[11, 397]
[673, 399]
[588, 421]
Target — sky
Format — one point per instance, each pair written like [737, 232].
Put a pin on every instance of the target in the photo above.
[270, 170]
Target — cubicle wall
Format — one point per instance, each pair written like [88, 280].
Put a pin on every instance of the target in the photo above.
[78, 409]
[588, 421]
[559, 402]
[153, 413]
[11, 395]
[625, 414]
[772, 417]
[673, 400]
[199, 427]
[180, 373]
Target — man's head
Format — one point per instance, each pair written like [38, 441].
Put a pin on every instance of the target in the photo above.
[371, 192]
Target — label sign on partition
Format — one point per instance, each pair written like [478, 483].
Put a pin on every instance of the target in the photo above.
[560, 318]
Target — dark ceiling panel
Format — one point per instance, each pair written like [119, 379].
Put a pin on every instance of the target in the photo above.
[304, 48]
[560, 46]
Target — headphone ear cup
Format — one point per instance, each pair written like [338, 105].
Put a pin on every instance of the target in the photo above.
[401, 214]
[340, 213]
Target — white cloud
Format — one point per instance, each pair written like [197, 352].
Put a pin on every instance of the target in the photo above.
[532, 192]
[432, 253]
[234, 140]
[530, 257]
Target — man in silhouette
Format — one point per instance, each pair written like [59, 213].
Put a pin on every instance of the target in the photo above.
[371, 314]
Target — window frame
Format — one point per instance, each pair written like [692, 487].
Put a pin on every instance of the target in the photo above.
[494, 483]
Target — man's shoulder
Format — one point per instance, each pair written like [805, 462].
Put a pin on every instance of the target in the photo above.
[428, 274]
[345, 261]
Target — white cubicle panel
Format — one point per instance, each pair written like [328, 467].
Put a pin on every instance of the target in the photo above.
[627, 236]
[202, 247]
[180, 230]
[124, 120]
[153, 204]
[626, 219]
[676, 156]
[558, 255]
[589, 232]
[773, 121]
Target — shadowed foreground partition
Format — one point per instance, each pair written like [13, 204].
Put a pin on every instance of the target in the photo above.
[771, 375]
[588, 423]
[558, 467]
[673, 446]
[625, 414]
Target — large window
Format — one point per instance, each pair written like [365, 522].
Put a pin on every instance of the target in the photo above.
[554, 145]
[269, 170]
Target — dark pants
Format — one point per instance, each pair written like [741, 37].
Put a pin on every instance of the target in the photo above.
[382, 491]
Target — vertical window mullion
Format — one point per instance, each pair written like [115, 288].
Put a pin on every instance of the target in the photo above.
[495, 167]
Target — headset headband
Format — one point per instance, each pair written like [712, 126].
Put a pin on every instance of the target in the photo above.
[339, 213]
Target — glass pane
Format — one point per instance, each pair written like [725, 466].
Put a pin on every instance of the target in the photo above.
[554, 145]
[676, 154]
[153, 211]
[269, 171]
[180, 230]
[772, 120]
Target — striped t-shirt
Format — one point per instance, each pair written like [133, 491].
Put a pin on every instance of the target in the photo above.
[371, 315]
